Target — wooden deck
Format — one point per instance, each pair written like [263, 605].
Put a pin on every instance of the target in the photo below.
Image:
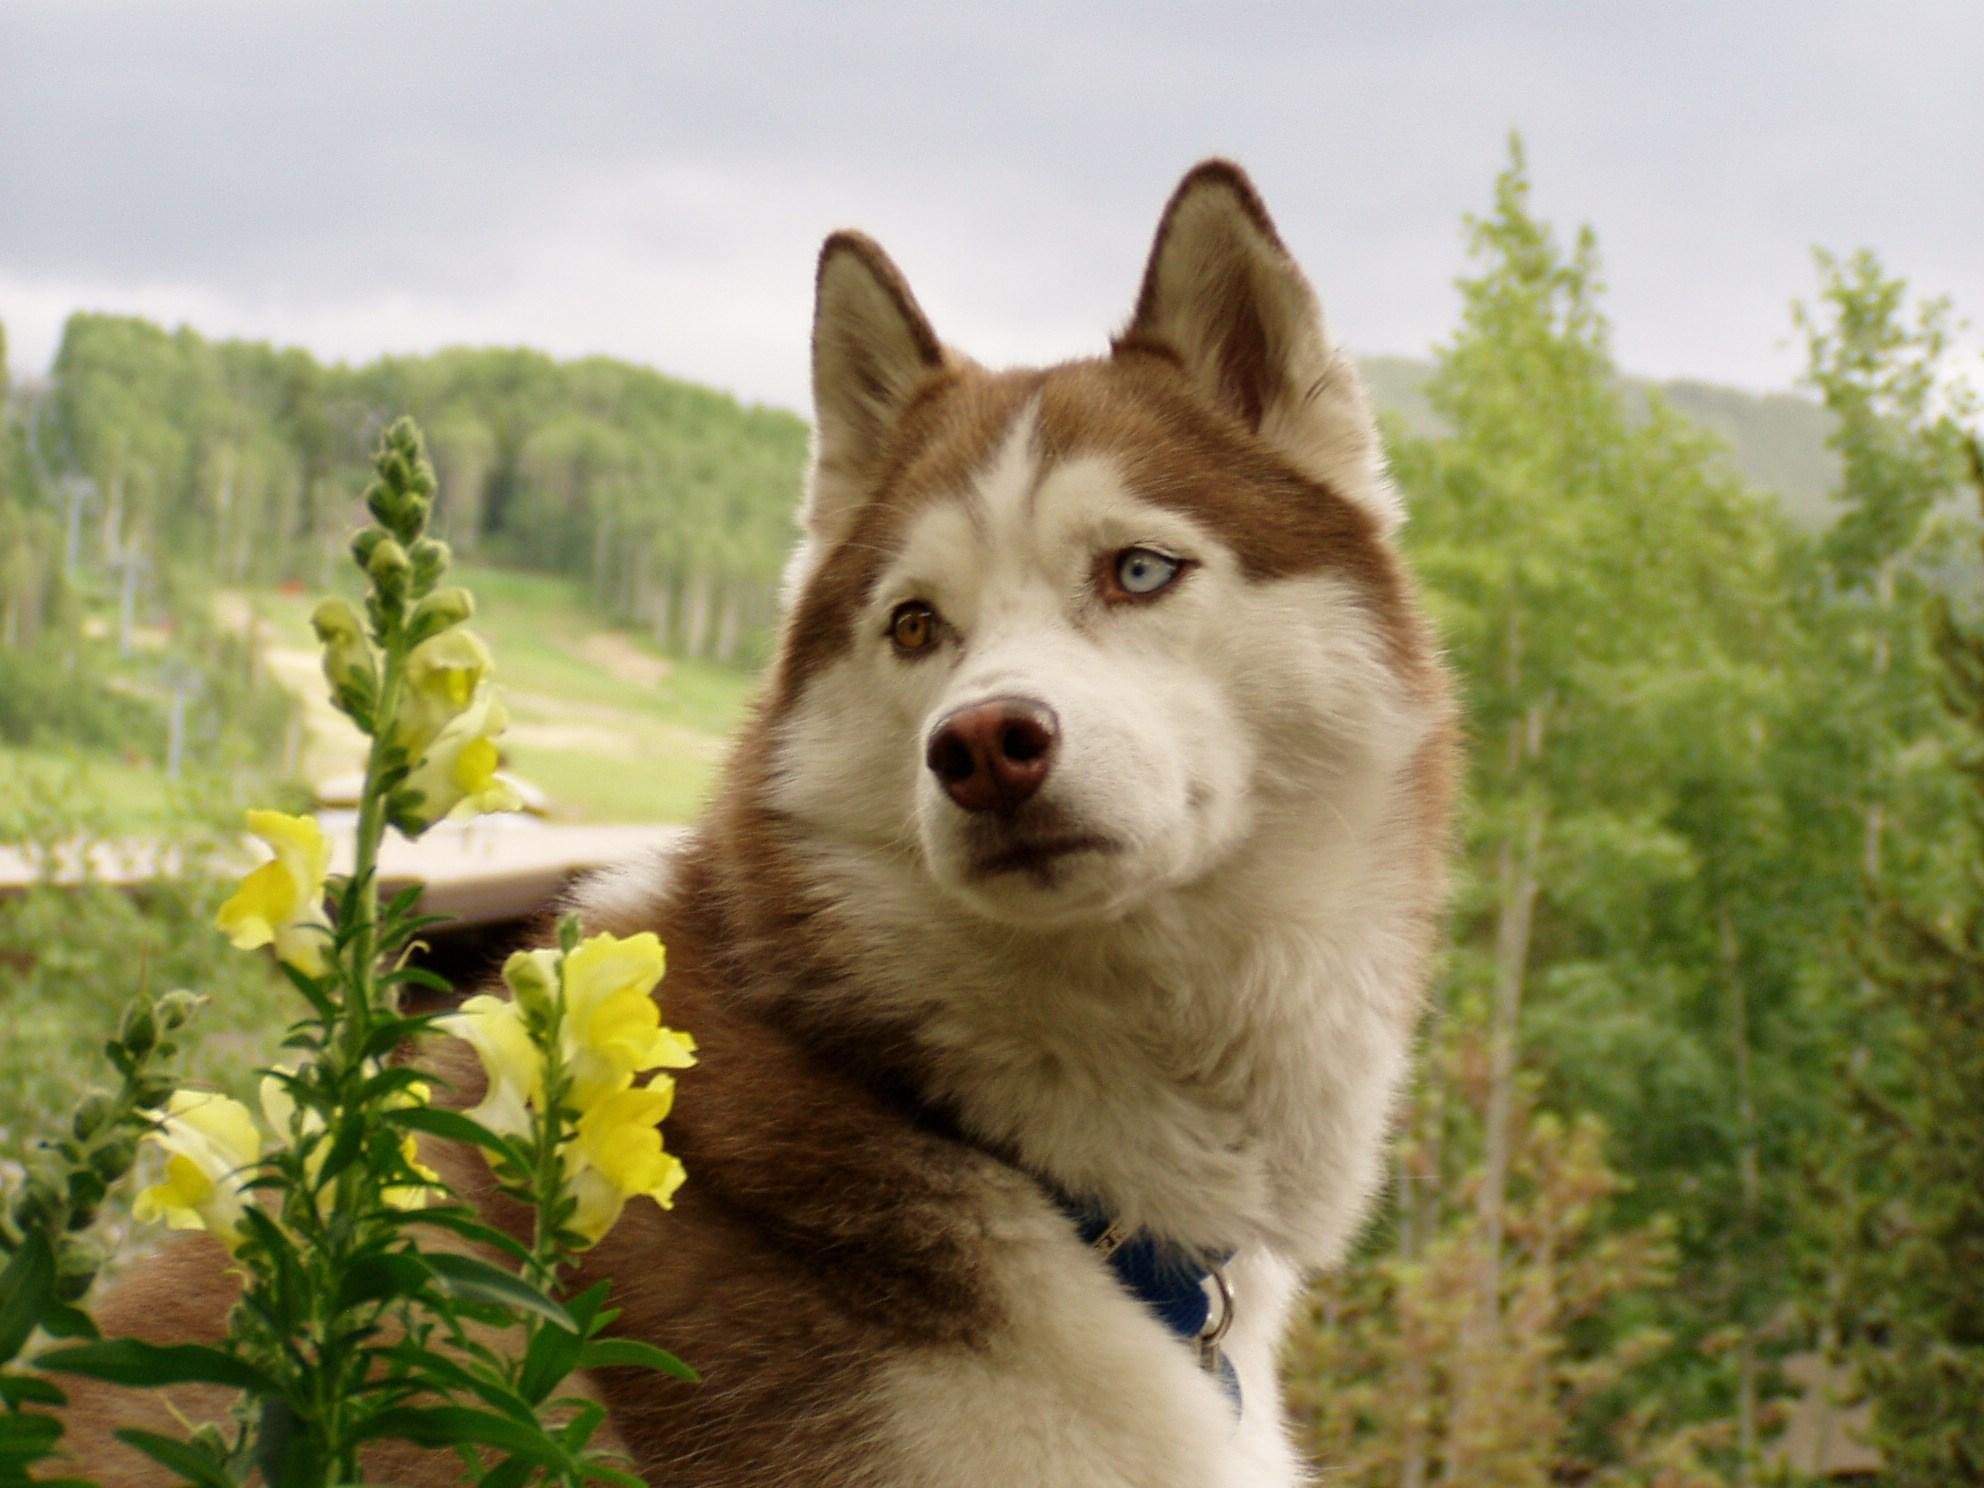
[486, 871]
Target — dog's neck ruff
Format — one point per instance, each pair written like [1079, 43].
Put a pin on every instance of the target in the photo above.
[1171, 1283]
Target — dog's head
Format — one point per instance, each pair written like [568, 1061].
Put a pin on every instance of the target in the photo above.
[1059, 642]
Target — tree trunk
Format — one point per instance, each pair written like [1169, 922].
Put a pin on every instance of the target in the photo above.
[77, 489]
[1516, 873]
[1516, 879]
[663, 605]
[602, 552]
[1415, 1373]
[1749, 1179]
[696, 623]
[113, 516]
[729, 626]
[127, 598]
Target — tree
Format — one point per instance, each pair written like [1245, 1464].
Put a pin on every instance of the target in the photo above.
[1919, 1272]
[1882, 365]
[1884, 374]
[1655, 865]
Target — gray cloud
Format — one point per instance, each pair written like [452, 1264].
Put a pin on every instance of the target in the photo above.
[651, 180]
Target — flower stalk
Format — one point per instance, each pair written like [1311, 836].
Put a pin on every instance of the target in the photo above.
[349, 1329]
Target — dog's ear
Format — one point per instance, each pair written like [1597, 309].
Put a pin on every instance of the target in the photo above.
[872, 347]
[1224, 297]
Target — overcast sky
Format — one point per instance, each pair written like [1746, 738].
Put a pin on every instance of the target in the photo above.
[651, 180]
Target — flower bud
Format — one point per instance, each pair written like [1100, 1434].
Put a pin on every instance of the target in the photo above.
[441, 610]
[86, 1188]
[388, 565]
[533, 979]
[367, 539]
[39, 1205]
[176, 1007]
[349, 665]
[92, 1111]
[152, 1092]
[114, 1158]
[335, 620]
[430, 557]
[76, 1268]
[382, 496]
[139, 1032]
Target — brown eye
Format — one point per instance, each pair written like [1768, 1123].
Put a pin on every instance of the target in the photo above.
[913, 626]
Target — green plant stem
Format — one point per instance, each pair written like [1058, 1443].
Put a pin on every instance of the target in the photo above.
[371, 831]
[548, 1181]
[328, 1383]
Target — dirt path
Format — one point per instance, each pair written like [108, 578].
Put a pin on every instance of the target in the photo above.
[331, 747]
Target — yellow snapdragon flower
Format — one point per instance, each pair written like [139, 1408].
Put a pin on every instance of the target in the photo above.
[457, 775]
[612, 1029]
[618, 1156]
[282, 902]
[610, 1033]
[210, 1143]
[443, 676]
[512, 1066]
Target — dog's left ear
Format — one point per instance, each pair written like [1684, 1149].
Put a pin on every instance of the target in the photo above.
[1224, 296]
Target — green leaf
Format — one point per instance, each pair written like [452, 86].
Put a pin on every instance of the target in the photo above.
[450, 1425]
[402, 902]
[189, 1461]
[396, 1077]
[381, 1276]
[631, 1353]
[313, 991]
[27, 1290]
[590, 1309]
[552, 1354]
[587, 1417]
[512, 1472]
[478, 1281]
[344, 1151]
[426, 1367]
[388, 1035]
[417, 976]
[455, 1127]
[64, 1321]
[27, 1438]
[282, 1450]
[466, 1223]
[18, 1390]
[129, 1361]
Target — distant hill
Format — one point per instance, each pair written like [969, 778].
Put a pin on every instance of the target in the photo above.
[1776, 440]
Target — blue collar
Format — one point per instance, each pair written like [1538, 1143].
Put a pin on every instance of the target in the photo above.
[1170, 1281]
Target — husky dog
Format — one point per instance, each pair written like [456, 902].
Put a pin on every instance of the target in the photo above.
[1055, 940]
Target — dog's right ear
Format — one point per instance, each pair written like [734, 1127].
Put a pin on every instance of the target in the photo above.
[872, 348]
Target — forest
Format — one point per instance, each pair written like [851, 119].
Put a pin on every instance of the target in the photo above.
[237, 462]
[1687, 1191]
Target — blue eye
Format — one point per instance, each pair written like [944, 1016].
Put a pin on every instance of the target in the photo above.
[1142, 571]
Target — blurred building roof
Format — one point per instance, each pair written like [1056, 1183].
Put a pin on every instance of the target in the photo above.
[482, 871]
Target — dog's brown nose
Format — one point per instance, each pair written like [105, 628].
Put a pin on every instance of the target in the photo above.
[991, 756]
